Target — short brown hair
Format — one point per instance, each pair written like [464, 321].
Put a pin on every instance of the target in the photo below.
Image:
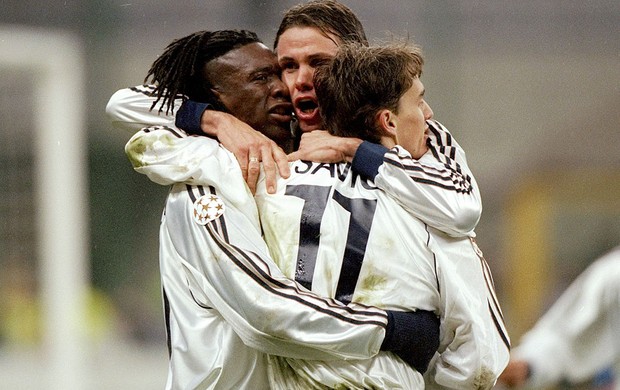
[329, 16]
[360, 81]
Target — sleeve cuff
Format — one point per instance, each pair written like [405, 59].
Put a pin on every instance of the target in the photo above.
[189, 116]
[368, 158]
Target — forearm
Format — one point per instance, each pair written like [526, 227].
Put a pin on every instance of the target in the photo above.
[232, 272]
[475, 347]
[167, 155]
[439, 188]
[130, 109]
[442, 198]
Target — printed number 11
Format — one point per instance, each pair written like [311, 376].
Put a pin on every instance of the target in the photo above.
[361, 215]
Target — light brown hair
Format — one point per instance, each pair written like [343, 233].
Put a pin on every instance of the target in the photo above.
[360, 81]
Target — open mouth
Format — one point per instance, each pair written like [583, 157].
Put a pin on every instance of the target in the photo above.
[306, 106]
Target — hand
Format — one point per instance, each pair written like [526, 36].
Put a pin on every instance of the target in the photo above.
[320, 146]
[249, 146]
[515, 374]
[413, 336]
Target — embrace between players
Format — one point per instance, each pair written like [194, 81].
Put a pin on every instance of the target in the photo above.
[354, 266]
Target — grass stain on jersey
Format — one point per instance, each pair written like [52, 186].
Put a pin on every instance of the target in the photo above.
[484, 379]
[371, 288]
[135, 152]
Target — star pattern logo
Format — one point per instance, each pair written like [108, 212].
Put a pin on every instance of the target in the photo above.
[207, 208]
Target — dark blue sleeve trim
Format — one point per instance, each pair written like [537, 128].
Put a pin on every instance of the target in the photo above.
[414, 336]
[368, 158]
[189, 116]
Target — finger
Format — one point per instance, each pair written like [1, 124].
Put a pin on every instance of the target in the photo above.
[253, 172]
[281, 160]
[243, 160]
[294, 156]
[270, 169]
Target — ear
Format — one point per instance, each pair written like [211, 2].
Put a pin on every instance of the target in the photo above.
[387, 122]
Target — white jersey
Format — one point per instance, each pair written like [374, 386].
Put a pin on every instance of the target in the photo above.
[340, 236]
[439, 189]
[579, 335]
[227, 304]
[444, 195]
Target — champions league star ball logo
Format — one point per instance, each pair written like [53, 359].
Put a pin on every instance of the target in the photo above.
[207, 208]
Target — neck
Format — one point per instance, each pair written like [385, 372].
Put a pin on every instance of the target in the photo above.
[388, 141]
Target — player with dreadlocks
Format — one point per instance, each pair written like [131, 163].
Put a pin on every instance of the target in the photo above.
[185, 70]
[179, 71]
[227, 304]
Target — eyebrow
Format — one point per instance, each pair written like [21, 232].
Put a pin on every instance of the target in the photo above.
[267, 68]
[321, 55]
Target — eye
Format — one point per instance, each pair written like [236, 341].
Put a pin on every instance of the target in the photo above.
[261, 77]
[288, 66]
[320, 62]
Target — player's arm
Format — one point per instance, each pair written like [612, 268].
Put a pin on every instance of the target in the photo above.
[476, 347]
[239, 138]
[577, 337]
[167, 155]
[228, 269]
[132, 109]
[237, 275]
[439, 189]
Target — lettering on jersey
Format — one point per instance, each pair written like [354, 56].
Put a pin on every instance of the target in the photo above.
[207, 208]
[301, 169]
[367, 184]
[341, 171]
[345, 171]
[328, 167]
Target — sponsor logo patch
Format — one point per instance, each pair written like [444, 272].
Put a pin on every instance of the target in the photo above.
[207, 208]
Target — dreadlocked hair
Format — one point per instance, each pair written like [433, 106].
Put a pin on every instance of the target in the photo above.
[179, 71]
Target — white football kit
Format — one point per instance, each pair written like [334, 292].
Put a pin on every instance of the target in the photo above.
[449, 187]
[578, 336]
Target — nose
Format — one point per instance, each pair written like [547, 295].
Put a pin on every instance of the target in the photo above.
[303, 81]
[428, 111]
[278, 89]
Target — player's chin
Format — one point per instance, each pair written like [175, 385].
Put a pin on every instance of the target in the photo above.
[277, 131]
[307, 126]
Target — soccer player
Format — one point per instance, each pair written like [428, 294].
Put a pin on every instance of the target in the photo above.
[226, 303]
[386, 256]
[577, 337]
